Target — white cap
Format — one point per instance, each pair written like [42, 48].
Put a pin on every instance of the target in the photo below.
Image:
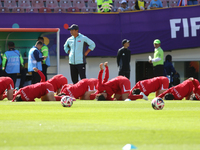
[123, 1]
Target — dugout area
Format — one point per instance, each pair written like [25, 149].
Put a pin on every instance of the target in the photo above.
[25, 39]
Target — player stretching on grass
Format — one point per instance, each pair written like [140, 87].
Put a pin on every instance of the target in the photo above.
[80, 90]
[41, 90]
[145, 87]
[120, 86]
[196, 90]
[57, 81]
[180, 91]
[6, 83]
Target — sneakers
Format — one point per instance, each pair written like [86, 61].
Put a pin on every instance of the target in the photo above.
[144, 96]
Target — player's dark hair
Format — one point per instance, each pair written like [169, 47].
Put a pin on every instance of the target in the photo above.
[100, 98]
[18, 98]
[41, 38]
[169, 96]
[136, 92]
[169, 58]
[11, 44]
[61, 94]
[194, 97]
[39, 43]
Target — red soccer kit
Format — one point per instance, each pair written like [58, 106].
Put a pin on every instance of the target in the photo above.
[196, 89]
[180, 91]
[118, 85]
[151, 85]
[6, 83]
[78, 90]
[57, 81]
[30, 92]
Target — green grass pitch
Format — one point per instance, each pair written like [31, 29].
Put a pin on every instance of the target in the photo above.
[94, 125]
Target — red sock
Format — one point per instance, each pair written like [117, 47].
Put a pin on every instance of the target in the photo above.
[58, 98]
[134, 97]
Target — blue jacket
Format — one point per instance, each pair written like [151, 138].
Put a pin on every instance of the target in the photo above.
[32, 61]
[76, 48]
[13, 62]
[169, 68]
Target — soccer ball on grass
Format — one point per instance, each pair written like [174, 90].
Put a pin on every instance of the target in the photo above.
[66, 101]
[157, 103]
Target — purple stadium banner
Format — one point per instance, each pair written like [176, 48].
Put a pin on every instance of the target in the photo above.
[177, 28]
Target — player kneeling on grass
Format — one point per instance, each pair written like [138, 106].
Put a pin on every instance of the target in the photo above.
[145, 87]
[119, 86]
[57, 81]
[41, 90]
[180, 91]
[196, 90]
[6, 83]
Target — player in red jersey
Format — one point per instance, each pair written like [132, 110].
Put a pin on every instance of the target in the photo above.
[145, 87]
[6, 83]
[179, 91]
[196, 90]
[81, 89]
[119, 86]
[57, 81]
[41, 90]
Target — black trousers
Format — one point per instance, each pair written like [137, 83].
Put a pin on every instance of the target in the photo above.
[23, 72]
[158, 70]
[35, 78]
[124, 73]
[77, 70]
[44, 70]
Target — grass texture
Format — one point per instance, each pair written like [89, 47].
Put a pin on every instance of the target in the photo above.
[94, 125]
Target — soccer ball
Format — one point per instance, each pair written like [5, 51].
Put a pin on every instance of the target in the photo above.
[66, 101]
[157, 103]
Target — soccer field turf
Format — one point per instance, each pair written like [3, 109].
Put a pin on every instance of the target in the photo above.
[94, 125]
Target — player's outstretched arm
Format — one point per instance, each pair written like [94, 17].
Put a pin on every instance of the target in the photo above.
[40, 73]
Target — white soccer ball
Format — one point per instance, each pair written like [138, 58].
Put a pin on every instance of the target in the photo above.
[157, 103]
[66, 101]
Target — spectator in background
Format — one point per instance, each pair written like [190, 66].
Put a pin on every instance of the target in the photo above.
[140, 5]
[104, 5]
[155, 4]
[75, 46]
[169, 69]
[45, 52]
[123, 59]
[124, 6]
[158, 63]
[34, 60]
[192, 2]
[12, 60]
[1, 72]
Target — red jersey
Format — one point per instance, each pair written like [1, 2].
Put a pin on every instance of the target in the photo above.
[151, 85]
[196, 89]
[117, 85]
[77, 90]
[6, 83]
[30, 92]
[180, 91]
[92, 84]
[57, 81]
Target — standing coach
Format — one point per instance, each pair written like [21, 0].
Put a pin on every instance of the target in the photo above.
[75, 46]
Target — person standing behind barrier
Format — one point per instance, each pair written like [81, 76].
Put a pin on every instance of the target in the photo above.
[12, 59]
[75, 47]
[45, 52]
[169, 69]
[123, 59]
[158, 63]
[35, 59]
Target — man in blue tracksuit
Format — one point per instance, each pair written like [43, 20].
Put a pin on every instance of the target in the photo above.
[75, 46]
[35, 59]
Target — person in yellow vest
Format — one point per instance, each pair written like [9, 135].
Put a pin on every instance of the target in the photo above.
[104, 5]
[140, 5]
[158, 59]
